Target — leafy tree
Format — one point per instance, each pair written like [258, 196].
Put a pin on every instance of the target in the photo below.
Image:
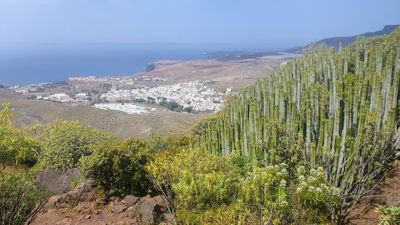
[64, 143]
[119, 166]
[16, 147]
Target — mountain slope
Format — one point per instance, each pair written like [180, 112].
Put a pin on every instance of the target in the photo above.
[344, 41]
[28, 112]
[331, 42]
[334, 42]
[334, 110]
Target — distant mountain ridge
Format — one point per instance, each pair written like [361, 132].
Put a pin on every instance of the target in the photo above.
[331, 42]
[335, 41]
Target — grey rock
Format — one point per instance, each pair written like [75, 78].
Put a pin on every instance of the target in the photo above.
[58, 181]
[152, 210]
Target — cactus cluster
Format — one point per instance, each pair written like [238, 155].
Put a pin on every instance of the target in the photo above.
[335, 109]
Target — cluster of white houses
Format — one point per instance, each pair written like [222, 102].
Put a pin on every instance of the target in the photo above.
[64, 98]
[129, 108]
[194, 95]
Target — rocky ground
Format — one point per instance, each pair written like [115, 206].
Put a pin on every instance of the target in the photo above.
[86, 204]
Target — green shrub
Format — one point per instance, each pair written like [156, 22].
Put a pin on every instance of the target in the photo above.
[391, 215]
[265, 192]
[194, 183]
[171, 105]
[19, 195]
[205, 181]
[16, 147]
[118, 166]
[64, 143]
[207, 189]
[314, 201]
[172, 143]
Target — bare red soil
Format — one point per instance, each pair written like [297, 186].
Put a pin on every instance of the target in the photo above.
[388, 194]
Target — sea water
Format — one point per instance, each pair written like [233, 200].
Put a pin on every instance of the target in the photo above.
[37, 63]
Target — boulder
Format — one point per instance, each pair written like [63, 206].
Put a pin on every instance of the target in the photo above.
[152, 209]
[58, 181]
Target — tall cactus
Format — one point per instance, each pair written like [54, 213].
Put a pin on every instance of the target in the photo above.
[338, 108]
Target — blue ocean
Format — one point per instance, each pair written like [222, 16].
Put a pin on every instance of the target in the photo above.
[27, 63]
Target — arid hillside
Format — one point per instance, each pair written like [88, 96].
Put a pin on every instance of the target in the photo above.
[227, 74]
[28, 112]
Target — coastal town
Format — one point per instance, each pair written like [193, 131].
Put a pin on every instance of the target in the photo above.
[124, 94]
[191, 97]
[167, 86]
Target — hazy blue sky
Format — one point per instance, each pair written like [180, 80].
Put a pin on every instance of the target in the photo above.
[279, 22]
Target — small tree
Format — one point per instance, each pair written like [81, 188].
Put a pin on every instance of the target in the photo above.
[19, 196]
[16, 147]
[119, 166]
[64, 143]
